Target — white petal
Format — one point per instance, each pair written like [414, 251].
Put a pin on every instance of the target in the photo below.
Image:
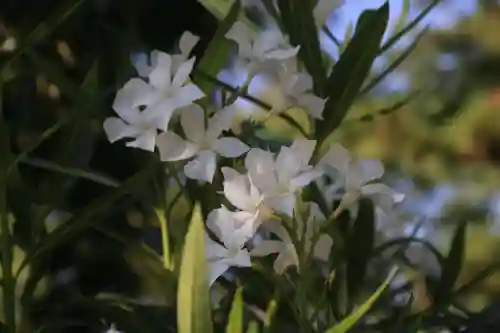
[276, 228]
[173, 148]
[140, 62]
[187, 42]
[313, 104]
[230, 147]
[159, 114]
[237, 190]
[382, 195]
[187, 94]
[232, 228]
[218, 221]
[193, 123]
[261, 167]
[323, 9]
[202, 167]
[286, 259]
[304, 179]
[146, 141]
[182, 74]
[338, 158]
[117, 129]
[134, 93]
[215, 270]
[284, 203]
[242, 259]
[161, 75]
[221, 121]
[266, 248]
[323, 247]
[283, 54]
[240, 33]
[302, 83]
[370, 169]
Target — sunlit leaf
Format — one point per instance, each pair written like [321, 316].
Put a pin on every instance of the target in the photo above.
[217, 52]
[193, 298]
[349, 322]
[235, 322]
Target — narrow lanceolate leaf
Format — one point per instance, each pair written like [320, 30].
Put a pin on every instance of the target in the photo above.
[398, 26]
[360, 246]
[235, 322]
[452, 265]
[298, 20]
[394, 39]
[399, 60]
[217, 52]
[351, 70]
[193, 299]
[349, 322]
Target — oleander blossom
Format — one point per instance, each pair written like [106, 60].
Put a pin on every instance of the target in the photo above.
[260, 50]
[203, 142]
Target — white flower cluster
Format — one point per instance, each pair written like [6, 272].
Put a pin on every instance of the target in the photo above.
[269, 185]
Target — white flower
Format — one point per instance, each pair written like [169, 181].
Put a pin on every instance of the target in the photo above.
[262, 48]
[202, 142]
[287, 252]
[296, 92]
[233, 234]
[287, 255]
[172, 90]
[134, 123]
[144, 65]
[355, 178]
[112, 329]
[241, 192]
[280, 178]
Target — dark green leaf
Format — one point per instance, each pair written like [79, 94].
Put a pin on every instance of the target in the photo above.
[452, 265]
[298, 21]
[217, 52]
[351, 70]
[87, 215]
[360, 246]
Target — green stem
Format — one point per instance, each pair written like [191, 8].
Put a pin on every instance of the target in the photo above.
[165, 245]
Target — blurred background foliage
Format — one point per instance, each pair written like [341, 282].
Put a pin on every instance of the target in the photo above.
[445, 140]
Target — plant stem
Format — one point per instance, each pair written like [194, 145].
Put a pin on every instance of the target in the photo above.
[160, 213]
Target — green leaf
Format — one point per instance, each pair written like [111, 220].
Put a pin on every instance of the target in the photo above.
[298, 21]
[394, 39]
[360, 246]
[348, 323]
[235, 323]
[398, 26]
[452, 265]
[253, 327]
[399, 60]
[217, 52]
[351, 70]
[84, 218]
[221, 8]
[193, 299]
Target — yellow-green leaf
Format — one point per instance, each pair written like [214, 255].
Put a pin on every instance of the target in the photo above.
[235, 323]
[193, 299]
[346, 324]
